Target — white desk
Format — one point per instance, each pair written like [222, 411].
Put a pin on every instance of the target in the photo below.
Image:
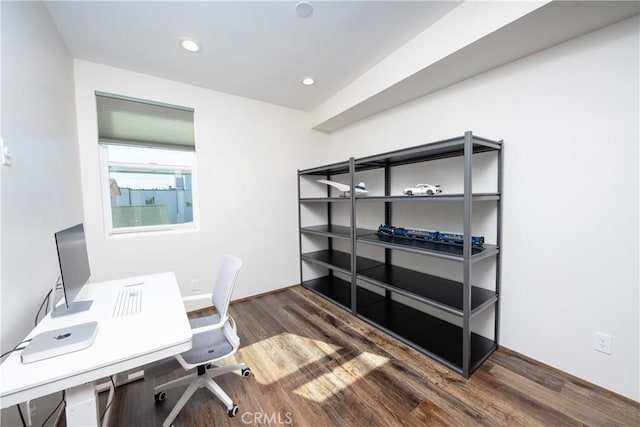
[160, 330]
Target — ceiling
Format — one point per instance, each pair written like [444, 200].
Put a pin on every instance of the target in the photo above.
[255, 49]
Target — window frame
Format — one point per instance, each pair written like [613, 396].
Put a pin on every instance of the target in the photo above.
[105, 189]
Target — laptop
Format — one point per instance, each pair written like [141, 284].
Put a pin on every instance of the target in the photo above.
[59, 341]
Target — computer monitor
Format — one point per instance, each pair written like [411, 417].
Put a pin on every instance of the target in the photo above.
[74, 269]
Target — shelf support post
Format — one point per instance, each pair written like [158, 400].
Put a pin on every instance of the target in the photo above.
[466, 253]
[388, 217]
[329, 240]
[352, 195]
[300, 229]
[496, 333]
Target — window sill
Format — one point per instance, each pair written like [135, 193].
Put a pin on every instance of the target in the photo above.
[138, 232]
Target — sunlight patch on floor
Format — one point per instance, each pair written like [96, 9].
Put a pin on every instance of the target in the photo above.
[325, 386]
[277, 357]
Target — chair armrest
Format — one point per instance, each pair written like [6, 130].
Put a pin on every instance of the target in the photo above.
[207, 328]
[229, 324]
[228, 328]
[195, 298]
[231, 332]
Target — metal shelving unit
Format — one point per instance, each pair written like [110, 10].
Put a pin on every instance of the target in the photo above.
[417, 323]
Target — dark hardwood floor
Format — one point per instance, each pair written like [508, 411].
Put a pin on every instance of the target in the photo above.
[314, 365]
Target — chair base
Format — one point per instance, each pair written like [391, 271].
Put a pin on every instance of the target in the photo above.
[203, 378]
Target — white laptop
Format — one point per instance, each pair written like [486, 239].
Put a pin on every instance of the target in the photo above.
[59, 341]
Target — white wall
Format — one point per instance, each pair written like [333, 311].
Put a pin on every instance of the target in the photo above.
[41, 190]
[247, 156]
[569, 118]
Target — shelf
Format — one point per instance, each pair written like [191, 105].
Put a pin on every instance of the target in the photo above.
[435, 337]
[332, 169]
[339, 260]
[324, 199]
[339, 291]
[426, 247]
[435, 291]
[438, 150]
[480, 197]
[328, 230]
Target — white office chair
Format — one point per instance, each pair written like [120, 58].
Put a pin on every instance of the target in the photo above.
[214, 338]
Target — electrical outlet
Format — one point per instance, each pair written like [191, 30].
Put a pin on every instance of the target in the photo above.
[194, 285]
[602, 342]
[5, 152]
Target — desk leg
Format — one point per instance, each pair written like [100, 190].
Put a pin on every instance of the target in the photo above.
[82, 406]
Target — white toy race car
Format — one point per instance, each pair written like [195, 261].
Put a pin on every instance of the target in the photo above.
[421, 189]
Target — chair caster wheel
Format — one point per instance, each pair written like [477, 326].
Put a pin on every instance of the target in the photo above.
[159, 397]
[246, 372]
[233, 411]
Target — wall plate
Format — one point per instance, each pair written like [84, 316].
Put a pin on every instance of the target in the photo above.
[5, 152]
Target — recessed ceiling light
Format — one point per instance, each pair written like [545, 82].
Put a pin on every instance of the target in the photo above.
[308, 81]
[304, 9]
[190, 45]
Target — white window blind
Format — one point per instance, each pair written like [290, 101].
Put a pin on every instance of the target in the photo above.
[131, 121]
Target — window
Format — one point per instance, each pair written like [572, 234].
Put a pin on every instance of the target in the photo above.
[148, 165]
[148, 188]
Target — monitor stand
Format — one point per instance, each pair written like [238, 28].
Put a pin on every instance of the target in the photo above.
[74, 307]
